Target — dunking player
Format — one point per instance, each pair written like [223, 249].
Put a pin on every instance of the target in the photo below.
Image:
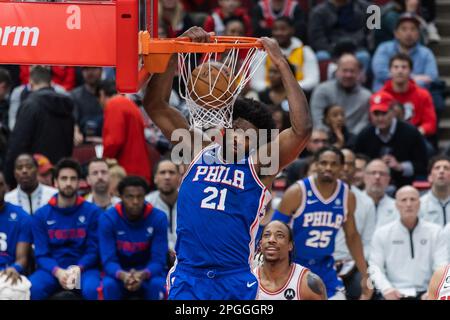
[220, 203]
[319, 206]
[280, 278]
[439, 287]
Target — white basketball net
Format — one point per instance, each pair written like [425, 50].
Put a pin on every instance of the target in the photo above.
[241, 72]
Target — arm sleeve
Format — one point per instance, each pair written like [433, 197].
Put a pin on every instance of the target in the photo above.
[107, 242]
[113, 132]
[159, 247]
[41, 245]
[311, 73]
[377, 263]
[90, 257]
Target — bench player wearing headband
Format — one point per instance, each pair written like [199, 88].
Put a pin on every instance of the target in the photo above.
[220, 203]
[279, 277]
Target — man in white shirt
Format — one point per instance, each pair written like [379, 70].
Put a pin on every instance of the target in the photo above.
[406, 252]
[98, 179]
[435, 204]
[30, 195]
[376, 180]
[365, 223]
[167, 180]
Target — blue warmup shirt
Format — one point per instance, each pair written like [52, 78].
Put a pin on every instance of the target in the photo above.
[15, 227]
[318, 220]
[66, 236]
[140, 244]
[219, 207]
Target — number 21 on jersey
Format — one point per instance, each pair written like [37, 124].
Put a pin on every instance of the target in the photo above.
[210, 202]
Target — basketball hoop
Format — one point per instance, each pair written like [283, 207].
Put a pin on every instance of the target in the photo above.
[240, 55]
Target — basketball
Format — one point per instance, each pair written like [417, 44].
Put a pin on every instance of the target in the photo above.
[211, 85]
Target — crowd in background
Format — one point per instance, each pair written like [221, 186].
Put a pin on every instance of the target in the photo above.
[374, 93]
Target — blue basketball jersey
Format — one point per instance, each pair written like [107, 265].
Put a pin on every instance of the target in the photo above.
[317, 220]
[219, 207]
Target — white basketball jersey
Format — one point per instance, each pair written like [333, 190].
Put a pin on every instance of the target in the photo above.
[443, 292]
[290, 290]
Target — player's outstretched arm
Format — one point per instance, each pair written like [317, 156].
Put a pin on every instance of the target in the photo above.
[157, 93]
[354, 244]
[434, 283]
[312, 287]
[292, 140]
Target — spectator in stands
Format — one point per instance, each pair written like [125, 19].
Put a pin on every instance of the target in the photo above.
[60, 75]
[234, 27]
[334, 121]
[88, 111]
[298, 169]
[65, 234]
[417, 102]
[446, 236]
[338, 21]
[5, 87]
[227, 8]
[117, 173]
[123, 132]
[44, 125]
[376, 180]
[300, 56]
[173, 17]
[406, 40]
[344, 91]
[167, 180]
[390, 14]
[364, 220]
[399, 144]
[275, 94]
[98, 179]
[406, 252]
[361, 161]
[15, 246]
[30, 195]
[45, 169]
[265, 12]
[435, 204]
[133, 245]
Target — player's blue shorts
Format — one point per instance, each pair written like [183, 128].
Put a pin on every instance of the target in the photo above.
[186, 283]
[325, 270]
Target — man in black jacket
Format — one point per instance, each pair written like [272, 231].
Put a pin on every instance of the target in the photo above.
[44, 123]
[397, 143]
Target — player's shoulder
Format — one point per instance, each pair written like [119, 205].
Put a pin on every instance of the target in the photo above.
[15, 211]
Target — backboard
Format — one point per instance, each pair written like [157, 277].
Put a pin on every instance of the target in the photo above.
[79, 33]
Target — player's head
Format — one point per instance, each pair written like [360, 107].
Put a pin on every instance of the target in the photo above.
[330, 161]
[3, 187]
[167, 176]
[277, 242]
[439, 172]
[25, 172]
[98, 175]
[67, 177]
[249, 115]
[407, 201]
[132, 191]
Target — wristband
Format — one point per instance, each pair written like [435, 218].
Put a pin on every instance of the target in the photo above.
[18, 267]
[277, 215]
